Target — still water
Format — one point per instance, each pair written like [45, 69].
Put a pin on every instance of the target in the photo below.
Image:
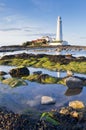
[27, 97]
[50, 51]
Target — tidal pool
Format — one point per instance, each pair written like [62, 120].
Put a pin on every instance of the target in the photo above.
[28, 97]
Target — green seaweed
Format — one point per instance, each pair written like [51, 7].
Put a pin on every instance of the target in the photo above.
[48, 116]
[14, 82]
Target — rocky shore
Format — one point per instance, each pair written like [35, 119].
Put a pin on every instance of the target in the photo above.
[21, 47]
[72, 117]
[51, 62]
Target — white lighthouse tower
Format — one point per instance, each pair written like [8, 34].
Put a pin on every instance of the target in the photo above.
[59, 36]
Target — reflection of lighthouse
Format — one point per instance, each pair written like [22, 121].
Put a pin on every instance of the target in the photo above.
[58, 74]
[59, 30]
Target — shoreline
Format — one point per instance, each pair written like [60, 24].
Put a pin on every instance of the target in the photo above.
[19, 47]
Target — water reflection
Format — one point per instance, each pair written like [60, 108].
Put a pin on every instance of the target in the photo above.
[58, 74]
[50, 51]
[72, 92]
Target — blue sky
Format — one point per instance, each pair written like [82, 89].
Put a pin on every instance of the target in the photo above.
[24, 20]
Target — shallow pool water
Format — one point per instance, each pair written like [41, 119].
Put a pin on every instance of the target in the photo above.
[22, 98]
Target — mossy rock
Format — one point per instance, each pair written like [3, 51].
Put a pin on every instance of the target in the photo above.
[49, 79]
[47, 61]
[14, 82]
[32, 77]
[42, 78]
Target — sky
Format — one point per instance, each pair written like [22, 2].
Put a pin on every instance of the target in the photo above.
[25, 20]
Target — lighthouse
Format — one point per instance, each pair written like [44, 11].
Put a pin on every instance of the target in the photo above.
[59, 36]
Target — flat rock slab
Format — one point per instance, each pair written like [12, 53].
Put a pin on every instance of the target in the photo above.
[46, 100]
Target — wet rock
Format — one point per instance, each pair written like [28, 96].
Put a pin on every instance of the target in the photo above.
[42, 77]
[19, 72]
[47, 100]
[2, 73]
[64, 111]
[14, 82]
[12, 121]
[37, 72]
[74, 82]
[74, 114]
[76, 104]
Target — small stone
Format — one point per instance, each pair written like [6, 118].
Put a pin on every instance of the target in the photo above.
[47, 100]
[64, 111]
[74, 114]
[76, 104]
[70, 73]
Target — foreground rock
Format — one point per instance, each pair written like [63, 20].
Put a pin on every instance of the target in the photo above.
[76, 104]
[67, 118]
[12, 121]
[74, 82]
[19, 72]
[45, 100]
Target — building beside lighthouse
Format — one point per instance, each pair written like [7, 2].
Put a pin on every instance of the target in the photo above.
[59, 34]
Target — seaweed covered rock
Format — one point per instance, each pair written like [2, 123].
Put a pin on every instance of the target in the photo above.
[19, 72]
[45, 78]
[14, 82]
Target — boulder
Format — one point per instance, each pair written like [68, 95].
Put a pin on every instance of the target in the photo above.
[19, 72]
[45, 100]
[2, 73]
[76, 104]
[74, 82]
